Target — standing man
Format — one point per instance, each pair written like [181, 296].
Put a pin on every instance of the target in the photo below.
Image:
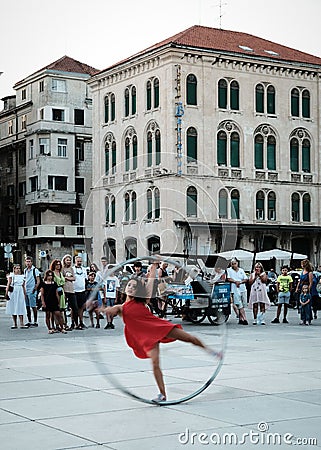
[32, 276]
[80, 274]
[68, 273]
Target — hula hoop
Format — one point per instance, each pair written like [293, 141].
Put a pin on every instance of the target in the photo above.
[217, 356]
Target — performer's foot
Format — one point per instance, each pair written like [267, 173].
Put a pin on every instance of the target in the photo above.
[159, 398]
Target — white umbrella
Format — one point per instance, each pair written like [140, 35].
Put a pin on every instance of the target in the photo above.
[278, 254]
[242, 255]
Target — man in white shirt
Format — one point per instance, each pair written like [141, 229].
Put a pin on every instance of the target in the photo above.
[80, 273]
[238, 279]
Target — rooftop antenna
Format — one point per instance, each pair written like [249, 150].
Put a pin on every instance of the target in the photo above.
[220, 5]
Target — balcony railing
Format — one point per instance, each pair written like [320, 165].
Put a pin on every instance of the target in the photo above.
[55, 231]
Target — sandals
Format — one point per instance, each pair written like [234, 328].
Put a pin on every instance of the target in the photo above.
[14, 327]
[51, 331]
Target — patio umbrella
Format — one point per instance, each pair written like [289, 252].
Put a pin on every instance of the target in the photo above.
[242, 255]
[278, 254]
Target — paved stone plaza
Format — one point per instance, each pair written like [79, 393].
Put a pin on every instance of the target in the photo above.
[55, 393]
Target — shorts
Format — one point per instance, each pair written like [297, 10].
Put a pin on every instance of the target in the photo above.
[31, 299]
[80, 298]
[240, 299]
[284, 298]
[110, 301]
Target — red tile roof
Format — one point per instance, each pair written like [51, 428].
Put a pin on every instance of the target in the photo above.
[67, 64]
[200, 37]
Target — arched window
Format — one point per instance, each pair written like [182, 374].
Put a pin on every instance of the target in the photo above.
[259, 98]
[126, 102]
[107, 157]
[130, 206]
[156, 203]
[153, 203]
[131, 149]
[130, 248]
[258, 149]
[235, 150]
[110, 154]
[134, 152]
[265, 148]
[156, 92]
[306, 208]
[295, 101]
[306, 103]
[127, 210]
[110, 209]
[271, 206]
[106, 109]
[300, 151]
[235, 204]
[191, 90]
[222, 204]
[109, 250]
[271, 143]
[234, 95]
[153, 244]
[191, 145]
[270, 100]
[222, 94]
[127, 154]
[113, 107]
[149, 204]
[191, 205]
[221, 148]
[260, 205]
[153, 144]
[295, 207]
[109, 107]
[134, 205]
[149, 95]
[133, 100]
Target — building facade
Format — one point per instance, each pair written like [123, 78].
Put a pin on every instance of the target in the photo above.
[205, 142]
[46, 162]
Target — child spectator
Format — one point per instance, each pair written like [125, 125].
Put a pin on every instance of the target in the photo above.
[284, 286]
[305, 305]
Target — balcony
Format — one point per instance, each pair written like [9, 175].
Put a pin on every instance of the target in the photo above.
[45, 196]
[54, 232]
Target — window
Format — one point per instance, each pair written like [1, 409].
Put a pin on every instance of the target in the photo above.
[110, 107]
[152, 94]
[22, 220]
[23, 94]
[110, 209]
[77, 217]
[127, 208]
[130, 100]
[264, 98]
[149, 95]
[33, 183]
[80, 185]
[130, 248]
[156, 92]
[295, 207]
[110, 154]
[222, 204]
[133, 100]
[44, 147]
[265, 148]
[62, 148]
[153, 144]
[153, 203]
[228, 94]
[306, 208]
[126, 102]
[41, 113]
[58, 115]
[191, 90]
[41, 86]
[131, 149]
[300, 103]
[57, 183]
[58, 85]
[260, 207]
[191, 145]
[79, 150]
[153, 244]
[235, 204]
[22, 156]
[130, 206]
[300, 151]
[22, 189]
[79, 116]
[23, 122]
[10, 127]
[31, 148]
[191, 205]
[271, 206]
[37, 217]
[10, 190]
[228, 137]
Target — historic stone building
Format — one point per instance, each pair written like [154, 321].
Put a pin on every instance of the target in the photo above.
[45, 159]
[207, 141]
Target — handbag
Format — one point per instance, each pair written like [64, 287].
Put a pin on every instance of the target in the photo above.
[60, 290]
[10, 289]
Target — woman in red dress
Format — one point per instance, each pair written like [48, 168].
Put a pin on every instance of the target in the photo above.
[144, 331]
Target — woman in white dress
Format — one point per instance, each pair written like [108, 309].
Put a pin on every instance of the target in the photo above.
[16, 305]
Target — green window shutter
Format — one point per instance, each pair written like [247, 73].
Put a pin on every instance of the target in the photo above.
[149, 150]
[235, 150]
[235, 204]
[113, 108]
[305, 104]
[260, 201]
[156, 93]
[149, 204]
[294, 155]
[191, 88]
[158, 147]
[157, 203]
[235, 95]
[113, 157]
[134, 152]
[106, 109]
[270, 100]
[127, 154]
[133, 100]
[306, 208]
[107, 210]
[149, 95]
[191, 144]
[126, 102]
[295, 205]
[191, 205]
[306, 156]
[134, 206]
[127, 210]
[222, 149]
[222, 94]
[222, 204]
[271, 164]
[113, 210]
[259, 98]
[295, 103]
[106, 161]
[258, 156]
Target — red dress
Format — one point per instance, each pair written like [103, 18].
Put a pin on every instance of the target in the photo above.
[143, 330]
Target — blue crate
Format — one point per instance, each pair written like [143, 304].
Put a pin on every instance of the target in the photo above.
[221, 294]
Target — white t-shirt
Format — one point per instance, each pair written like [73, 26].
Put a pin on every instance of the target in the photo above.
[112, 283]
[237, 275]
[80, 278]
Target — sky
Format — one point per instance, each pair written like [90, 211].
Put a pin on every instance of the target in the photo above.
[35, 33]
